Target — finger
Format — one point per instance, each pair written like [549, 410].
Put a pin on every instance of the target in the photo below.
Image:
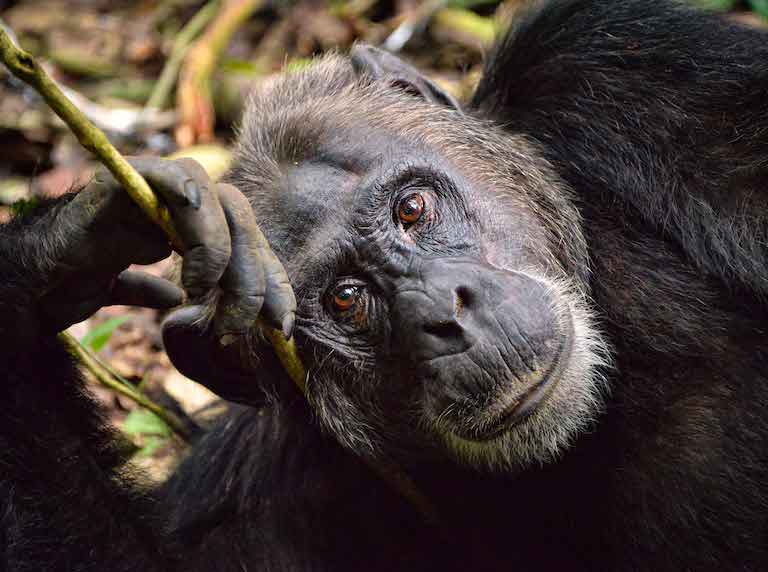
[243, 283]
[133, 288]
[106, 247]
[271, 286]
[199, 356]
[181, 182]
[103, 209]
[198, 217]
[178, 183]
[279, 300]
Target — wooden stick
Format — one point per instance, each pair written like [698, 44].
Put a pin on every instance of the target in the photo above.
[193, 94]
[112, 380]
[184, 38]
[24, 66]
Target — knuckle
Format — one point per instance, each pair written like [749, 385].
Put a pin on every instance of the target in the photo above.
[219, 245]
[232, 191]
[250, 302]
[276, 275]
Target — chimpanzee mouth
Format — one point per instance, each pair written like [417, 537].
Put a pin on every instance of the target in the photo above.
[514, 408]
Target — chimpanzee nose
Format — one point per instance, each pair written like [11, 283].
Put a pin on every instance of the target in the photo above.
[428, 314]
[446, 326]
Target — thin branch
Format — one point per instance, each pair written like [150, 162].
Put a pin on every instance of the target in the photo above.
[414, 23]
[184, 38]
[24, 66]
[193, 96]
[109, 378]
[234, 12]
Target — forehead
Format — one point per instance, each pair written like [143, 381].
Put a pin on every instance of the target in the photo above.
[322, 189]
[311, 143]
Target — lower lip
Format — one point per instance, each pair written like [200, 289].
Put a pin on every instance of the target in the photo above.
[529, 401]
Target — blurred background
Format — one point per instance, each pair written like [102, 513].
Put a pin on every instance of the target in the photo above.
[169, 77]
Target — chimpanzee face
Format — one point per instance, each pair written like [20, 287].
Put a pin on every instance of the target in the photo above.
[438, 266]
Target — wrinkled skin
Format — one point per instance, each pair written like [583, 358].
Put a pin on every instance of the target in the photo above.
[466, 321]
[101, 232]
[547, 305]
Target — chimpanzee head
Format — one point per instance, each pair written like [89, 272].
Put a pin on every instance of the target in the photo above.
[438, 263]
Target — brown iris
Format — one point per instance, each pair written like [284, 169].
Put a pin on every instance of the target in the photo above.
[344, 298]
[410, 209]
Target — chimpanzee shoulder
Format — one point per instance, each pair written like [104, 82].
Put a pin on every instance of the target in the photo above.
[647, 99]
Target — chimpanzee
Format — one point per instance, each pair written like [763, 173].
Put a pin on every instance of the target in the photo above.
[546, 305]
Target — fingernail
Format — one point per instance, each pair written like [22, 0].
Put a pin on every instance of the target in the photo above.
[288, 323]
[192, 192]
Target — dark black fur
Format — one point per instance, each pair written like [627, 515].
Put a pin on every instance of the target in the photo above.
[656, 104]
[657, 118]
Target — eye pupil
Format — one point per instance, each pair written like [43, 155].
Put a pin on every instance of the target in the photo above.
[411, 209]
[344, 298]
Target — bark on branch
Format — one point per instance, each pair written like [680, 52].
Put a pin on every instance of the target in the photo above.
[24, 66]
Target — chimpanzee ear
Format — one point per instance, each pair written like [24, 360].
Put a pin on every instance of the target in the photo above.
[379, 64]
[197, 354]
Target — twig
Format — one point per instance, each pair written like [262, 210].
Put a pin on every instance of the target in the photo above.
[184, 38]
[193, 96]
[413, 24]
[24, 66]
[21, 64]
[122, 121]
[109, 378]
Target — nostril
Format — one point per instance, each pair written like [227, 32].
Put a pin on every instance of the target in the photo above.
[444, 329]
[463, 298]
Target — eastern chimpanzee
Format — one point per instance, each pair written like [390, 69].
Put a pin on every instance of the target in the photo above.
[547, 306]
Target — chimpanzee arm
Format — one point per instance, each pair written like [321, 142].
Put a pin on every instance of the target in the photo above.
[63, 501]
[655, 103]
[63, 506]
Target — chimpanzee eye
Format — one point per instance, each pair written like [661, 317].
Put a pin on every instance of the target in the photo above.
[410, 209]
[345, 297]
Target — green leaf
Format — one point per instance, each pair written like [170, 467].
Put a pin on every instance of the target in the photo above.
[715, 4]
[144, 422]
[760, 6]
[24, 206]
[98, 337]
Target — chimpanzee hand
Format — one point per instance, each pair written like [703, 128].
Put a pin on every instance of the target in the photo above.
[89, 242]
